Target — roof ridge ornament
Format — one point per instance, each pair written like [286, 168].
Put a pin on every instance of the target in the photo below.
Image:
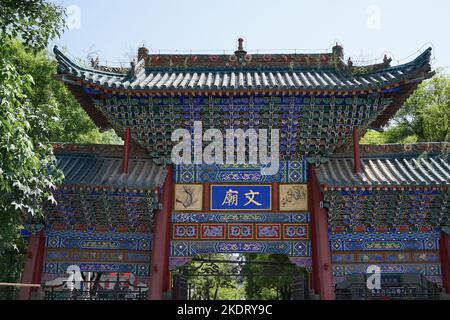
[142, 53]
[95, 63]
[136, 68]
[240, 52]
[387, 60]
[350, 62]
[338, 51]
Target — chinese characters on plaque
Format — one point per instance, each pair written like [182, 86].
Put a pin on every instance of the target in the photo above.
[241, 197]
[239, 204]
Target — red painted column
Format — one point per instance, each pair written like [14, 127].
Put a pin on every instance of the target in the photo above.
[314, 249]
[126, 150]
[320, 240]
[33, 264]
[275, 207]
[356, 155]
[160, 274]
[206, 195]
[444, 250]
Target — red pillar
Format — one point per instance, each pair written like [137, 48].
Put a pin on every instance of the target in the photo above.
[314, 249]
[275, 207]
[320, 241]
[206, 194]
[160, 274]
[356, 156]
[444, 249]
[126, 150]
[33, 264]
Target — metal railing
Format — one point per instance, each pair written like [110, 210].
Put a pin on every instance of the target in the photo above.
[405, 292]
[10, 291]
[117, 290]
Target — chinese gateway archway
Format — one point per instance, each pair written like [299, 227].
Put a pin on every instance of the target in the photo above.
[335, 208]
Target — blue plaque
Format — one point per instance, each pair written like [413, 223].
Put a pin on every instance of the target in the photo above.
[241, 197]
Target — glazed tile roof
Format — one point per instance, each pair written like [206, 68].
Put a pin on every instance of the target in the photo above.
[315, 99]
[427, 169]
[96, 169]
[321, 75]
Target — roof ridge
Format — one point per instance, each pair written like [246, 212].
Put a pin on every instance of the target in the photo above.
[106, 150]
[64, 59]
[391, 149]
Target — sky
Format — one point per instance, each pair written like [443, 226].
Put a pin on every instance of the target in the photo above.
[114, 29]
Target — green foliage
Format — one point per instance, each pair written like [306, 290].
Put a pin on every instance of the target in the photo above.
[269, 282]
[11, 266]
[34, 109]
[35, 22]
[214, 287]
[27, 165]
[373, 137]
[425, 116]
[66, 121]
[427, 112]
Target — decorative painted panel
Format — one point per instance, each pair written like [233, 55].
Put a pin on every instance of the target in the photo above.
[292, 171]
[188, 197]
[241, 231]
[384, 209]
[61, 267]
[179, 217]
[192, 248]
[341, 270]
[385, 257]
[277, 233]
[97, 251]
[93, 209]
[98, 240]
[293, 197]
[231, 227]
[384, 241]
[295, 231]
[309, 124]
[213, 231]
[185, 231]
[399, 252]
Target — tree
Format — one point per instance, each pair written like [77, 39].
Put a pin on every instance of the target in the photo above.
[68, 122]
[35, 22]
[269, 281]
[34, 109]
[425, 116]
[213, 281]
[27, 166]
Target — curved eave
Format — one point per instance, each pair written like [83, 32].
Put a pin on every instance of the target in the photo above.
[105, 173]
[241, 91]
[246, 81]
[396, 173]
